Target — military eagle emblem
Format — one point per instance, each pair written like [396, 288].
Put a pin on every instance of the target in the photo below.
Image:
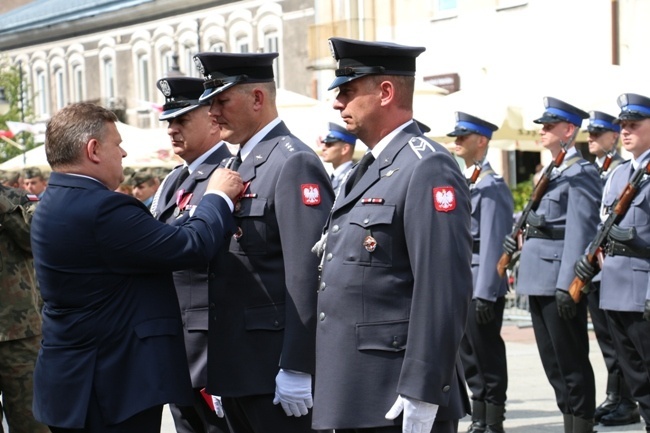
[444, 199]
[310, 194]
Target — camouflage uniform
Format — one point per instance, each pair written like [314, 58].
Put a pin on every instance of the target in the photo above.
[20, 305]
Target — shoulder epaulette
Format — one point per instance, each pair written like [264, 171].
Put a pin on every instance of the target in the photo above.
[420, 147]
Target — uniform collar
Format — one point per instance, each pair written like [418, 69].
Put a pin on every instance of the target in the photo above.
[248, 147]
[376, 151]
[201, 159]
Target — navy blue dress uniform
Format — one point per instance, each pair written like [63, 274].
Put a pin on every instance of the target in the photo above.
[557, 234]
[176, 196]
[338, 133]
[262, 286]
[483, 350]
[396, 277]
[625, 282]
[618, 408]
[112, 329]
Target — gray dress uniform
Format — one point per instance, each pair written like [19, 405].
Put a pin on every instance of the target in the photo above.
[483, 350]
[395, 288]
[263, 286]
[625, 278]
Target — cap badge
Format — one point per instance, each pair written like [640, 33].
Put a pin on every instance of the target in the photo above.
[332, 49]
[199, 65]
[444, 199]
[164, 87]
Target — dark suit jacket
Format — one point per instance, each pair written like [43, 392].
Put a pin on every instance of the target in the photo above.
[263, 294]
[111, 322]
[390, 321]
[192, 284]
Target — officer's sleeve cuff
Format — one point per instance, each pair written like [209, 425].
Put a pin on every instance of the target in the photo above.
[222, 194]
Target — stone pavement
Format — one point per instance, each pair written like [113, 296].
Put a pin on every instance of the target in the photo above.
[531, 404]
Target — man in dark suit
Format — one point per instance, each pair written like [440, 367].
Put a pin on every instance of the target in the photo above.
[396, 281]
[618, 408]
[263, 294]
[196, 138]
[112, 352]
[483, 351]
[557, 233]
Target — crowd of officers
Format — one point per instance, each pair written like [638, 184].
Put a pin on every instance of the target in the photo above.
[403, 283]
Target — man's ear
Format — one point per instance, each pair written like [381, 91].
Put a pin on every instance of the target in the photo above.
[92, 150]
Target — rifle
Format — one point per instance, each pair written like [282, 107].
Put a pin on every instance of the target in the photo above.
[478, 167]
[533, 201]
[607, 162]
[619, 208]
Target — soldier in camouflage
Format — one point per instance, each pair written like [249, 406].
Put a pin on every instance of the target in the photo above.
[20, 305]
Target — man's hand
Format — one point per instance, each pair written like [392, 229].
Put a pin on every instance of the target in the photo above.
[484, 311]
[584, 270]
[293, 392]
[566, 308]
[418, 415]
[510, 245]
[227, 181]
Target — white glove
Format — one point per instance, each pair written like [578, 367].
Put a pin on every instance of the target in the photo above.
[218, 407]
[418, 415]
[293, 392]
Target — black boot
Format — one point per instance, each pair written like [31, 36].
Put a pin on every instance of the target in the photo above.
[581, 425]
[494, 416]
[478, 417]
[568, 422]
[625, 413]
[613, 397]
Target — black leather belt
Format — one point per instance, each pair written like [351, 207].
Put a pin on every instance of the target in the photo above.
[476, 247]
[546, 233]
[620, 249]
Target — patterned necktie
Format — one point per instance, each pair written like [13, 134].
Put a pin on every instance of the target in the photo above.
[359, 171]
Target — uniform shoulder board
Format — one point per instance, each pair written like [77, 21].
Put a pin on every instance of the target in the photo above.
[286, 144]
[420, 147]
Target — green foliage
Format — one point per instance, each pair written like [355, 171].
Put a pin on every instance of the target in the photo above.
[521, 194]
[10, 77]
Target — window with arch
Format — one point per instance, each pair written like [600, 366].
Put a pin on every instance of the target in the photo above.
[40, 89]
[188, 61]
[144, 91]
[272, 45]
[59, 82]
[109, 77]
[242, 44]
[77, 83]
[167, 61]
[217, 47]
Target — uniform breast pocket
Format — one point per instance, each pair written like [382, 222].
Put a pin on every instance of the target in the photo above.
[371, 236]
[640, 210]
[251, 236]
[552, 204]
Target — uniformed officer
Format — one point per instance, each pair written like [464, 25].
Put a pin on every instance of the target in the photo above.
[20, 306]
[483, 351]
[618, 407]
[396, 280]
[625, 278]
[263, 285]
[337, 148]
[196, 138]
[557, 233]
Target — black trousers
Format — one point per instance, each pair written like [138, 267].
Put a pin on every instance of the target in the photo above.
[198, 418]
[563, 347]
[438, 427]
[147, 421]
[483, 353]
[600, 322]
[631, 337]
[258, 414]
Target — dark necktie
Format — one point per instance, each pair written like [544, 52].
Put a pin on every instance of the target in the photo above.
[236, 162]
[185, 172]
[359, 171]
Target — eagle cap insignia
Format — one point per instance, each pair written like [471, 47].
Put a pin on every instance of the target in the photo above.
[199, 65]
[164, 87]
[310, 194]
[444, 198]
